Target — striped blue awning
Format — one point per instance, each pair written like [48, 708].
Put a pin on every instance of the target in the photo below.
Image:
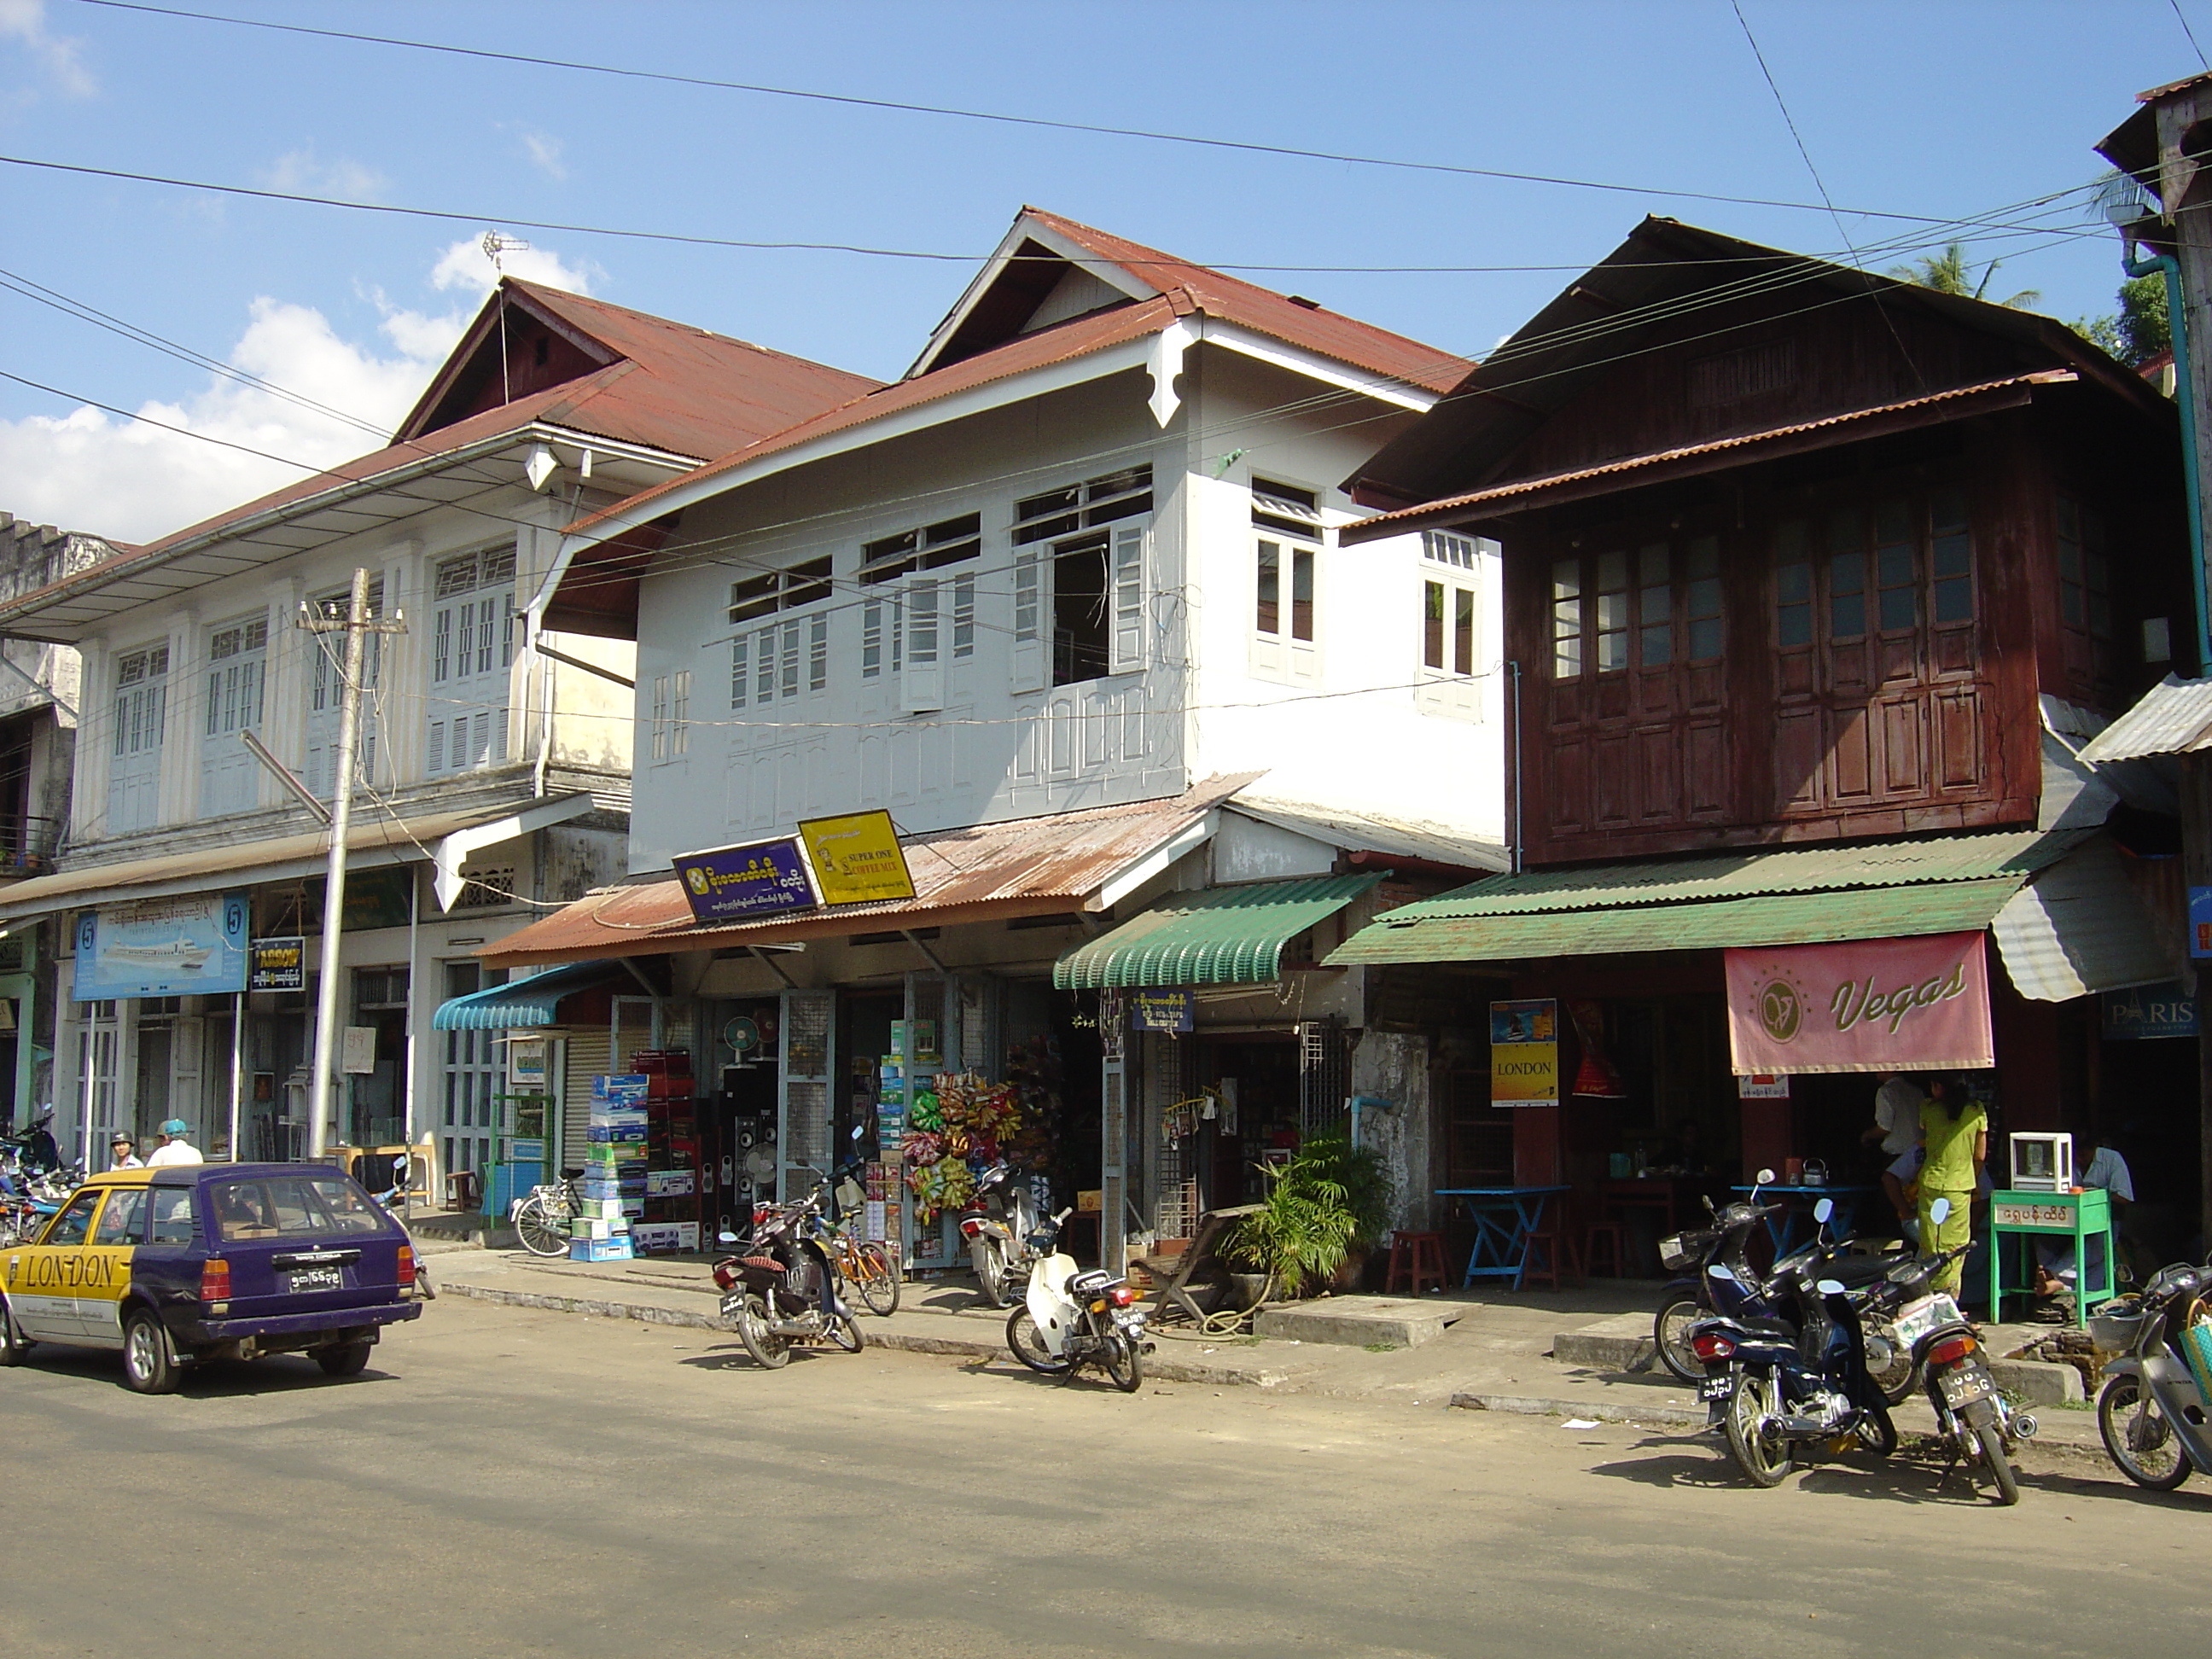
[521, 1004]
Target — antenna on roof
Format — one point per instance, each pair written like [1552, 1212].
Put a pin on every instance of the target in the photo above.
[496, 244]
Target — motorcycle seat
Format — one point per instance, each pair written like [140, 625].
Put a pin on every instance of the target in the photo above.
[760, 1264]
[1097, 1278]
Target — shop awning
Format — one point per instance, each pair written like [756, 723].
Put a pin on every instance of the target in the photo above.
[1942, 884]
[2081, 926]
[1222, 936]
[521, 1004]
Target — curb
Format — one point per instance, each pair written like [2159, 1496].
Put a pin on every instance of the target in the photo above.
[1165, 1370]
[1532, 1406]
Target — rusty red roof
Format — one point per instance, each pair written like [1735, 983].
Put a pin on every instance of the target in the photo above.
[978, 872]
[1497, 497]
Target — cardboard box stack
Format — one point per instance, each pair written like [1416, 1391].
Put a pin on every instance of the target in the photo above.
[672, 1184]
[613, 1183]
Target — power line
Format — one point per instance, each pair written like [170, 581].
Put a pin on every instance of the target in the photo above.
[2181, 18]
[1000, 117]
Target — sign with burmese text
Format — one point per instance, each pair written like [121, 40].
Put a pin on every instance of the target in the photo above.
[1524, 1053]
[740, 884]
[1875, 1004]
[856, 858]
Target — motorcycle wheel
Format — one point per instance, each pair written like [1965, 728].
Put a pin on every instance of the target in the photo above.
[1902, 1378]
[1762, 1454]
[768, 1350]
[845, 1332]
[1027, 1344]
[1123, 1360]
[2138, 1439]
[1876, 1432]
[1670, 1336]
[878, 1281]
[1991, 1439]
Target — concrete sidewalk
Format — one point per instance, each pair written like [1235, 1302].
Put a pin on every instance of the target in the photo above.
[1532, 1352]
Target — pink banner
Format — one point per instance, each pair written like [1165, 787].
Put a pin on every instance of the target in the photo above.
[1875, 1004]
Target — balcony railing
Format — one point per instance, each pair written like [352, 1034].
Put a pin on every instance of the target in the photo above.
[26, 844]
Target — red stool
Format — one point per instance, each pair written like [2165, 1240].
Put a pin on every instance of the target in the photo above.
[1614, 1237]
[1550, 1255]
[1417, 1258]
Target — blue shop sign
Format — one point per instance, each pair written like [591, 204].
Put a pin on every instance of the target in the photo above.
[738, 884]
[192, 945]
[2151, 1011]
[1159, 1011]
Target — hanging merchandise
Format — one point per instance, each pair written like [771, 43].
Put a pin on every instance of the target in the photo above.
[1595, 1077]
[944, 1185]
[923, 1114]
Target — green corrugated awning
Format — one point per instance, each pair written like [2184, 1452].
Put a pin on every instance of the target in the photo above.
[1222, 936]
[521, 1004]
[1764, 919]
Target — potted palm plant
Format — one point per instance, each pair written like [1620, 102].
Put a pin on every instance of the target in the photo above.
[1323, 1211]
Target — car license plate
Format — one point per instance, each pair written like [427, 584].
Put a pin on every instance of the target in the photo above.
[313, 1279]
[1964, 1386]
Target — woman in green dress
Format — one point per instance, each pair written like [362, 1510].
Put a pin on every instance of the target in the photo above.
[1955, 1133]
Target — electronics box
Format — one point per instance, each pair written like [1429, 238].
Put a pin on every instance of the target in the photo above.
[2042, 1163]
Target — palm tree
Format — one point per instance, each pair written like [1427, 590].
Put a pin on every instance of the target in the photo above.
[1948, 272]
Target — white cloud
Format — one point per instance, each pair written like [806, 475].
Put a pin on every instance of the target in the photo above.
[465, 266]
[132, 482]
[543, 150]
[58, 55]
[303, 173]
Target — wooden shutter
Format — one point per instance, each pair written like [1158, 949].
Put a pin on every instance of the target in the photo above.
[1125, 580]
[921, 688]
[1026, 663]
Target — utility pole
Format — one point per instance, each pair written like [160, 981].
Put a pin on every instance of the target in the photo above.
[357, 625]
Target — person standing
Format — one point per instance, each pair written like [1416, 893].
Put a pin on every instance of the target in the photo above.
[1955, 1133]
[123, 1154]
[174, 1147]
[1896, 1116]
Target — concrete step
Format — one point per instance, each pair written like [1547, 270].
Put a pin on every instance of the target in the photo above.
[1622, 1343]
[1358, 1321]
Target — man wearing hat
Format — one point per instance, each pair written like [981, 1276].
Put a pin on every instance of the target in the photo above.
[174, 1148]
[123, 1152]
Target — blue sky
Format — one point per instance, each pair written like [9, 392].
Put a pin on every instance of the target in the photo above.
[1945, 110]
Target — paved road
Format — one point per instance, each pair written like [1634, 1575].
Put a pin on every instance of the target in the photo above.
[510, 1481]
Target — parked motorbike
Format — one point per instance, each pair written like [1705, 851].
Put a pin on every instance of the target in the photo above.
[1070, 1319]
[394, 1201]
[1004, 1241]
[1974, 1418]
[1779, 1391]
[2151, 1414]
[780, 1290]
[1688, 1300]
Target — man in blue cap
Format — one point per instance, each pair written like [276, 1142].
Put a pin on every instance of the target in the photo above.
[174, 1148]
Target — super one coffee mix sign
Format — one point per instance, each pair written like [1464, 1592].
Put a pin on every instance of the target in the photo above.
[1861, 1005]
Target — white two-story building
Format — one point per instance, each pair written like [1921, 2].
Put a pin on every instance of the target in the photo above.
[493, 781]
[1066, 601]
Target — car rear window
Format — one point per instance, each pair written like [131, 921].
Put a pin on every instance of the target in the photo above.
[292, 1206]
[173, 1218]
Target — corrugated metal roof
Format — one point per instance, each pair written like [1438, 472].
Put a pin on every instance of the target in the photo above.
[2174, 717]
[1672, 882]
[1795, 918]
[978, 872]
[1220, 936]
[1406, 518]
[521, 1004]
[1371, 832]
[2079, 927]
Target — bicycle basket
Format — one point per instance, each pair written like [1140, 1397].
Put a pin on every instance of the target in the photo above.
[1680, 1252]
[2114, 1327]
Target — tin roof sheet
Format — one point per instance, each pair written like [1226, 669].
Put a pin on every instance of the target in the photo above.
[976, 873]
[2174, 717]
[1219, 936]
[2079, 927]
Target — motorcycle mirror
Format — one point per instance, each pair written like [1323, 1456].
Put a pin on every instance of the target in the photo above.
[857, 1130]
[1766, 1177]
[1824, 1209]
[1830, 1287]
[1721, 1272]
[1940, 1210]
[725, 1237]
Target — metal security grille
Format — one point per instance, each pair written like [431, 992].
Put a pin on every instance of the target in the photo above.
[802, 1137]
[1324, 1075]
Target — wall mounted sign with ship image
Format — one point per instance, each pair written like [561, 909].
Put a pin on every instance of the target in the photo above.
[192, 945]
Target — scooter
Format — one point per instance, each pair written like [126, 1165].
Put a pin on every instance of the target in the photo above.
[781, 1289]
[1780, 1394]
[1003, 1241]
[393, 1202]
[2151, 1413]
[1070, 1319]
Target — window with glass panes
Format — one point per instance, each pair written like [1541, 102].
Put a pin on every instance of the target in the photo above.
[471, 649]
[1884, 570]
[1645, 607]
[468, 1076]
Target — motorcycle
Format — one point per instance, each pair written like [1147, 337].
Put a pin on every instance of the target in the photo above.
[1070, 1319]
[1004, 1241]
[2151, 1414]
[781, 1290]
[1974, 1418]
[1778, 1391]
[392, 1201]
[1687, 1300]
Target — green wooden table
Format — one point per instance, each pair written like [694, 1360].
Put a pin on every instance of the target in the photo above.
[2017, 1220]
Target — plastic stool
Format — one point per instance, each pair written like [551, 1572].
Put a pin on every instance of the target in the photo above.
[1417, 1258]
[1614, 1237]
[1559, 1261]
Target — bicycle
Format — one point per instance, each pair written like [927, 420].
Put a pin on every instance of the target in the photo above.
[542, 1217]
[865, 1264]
